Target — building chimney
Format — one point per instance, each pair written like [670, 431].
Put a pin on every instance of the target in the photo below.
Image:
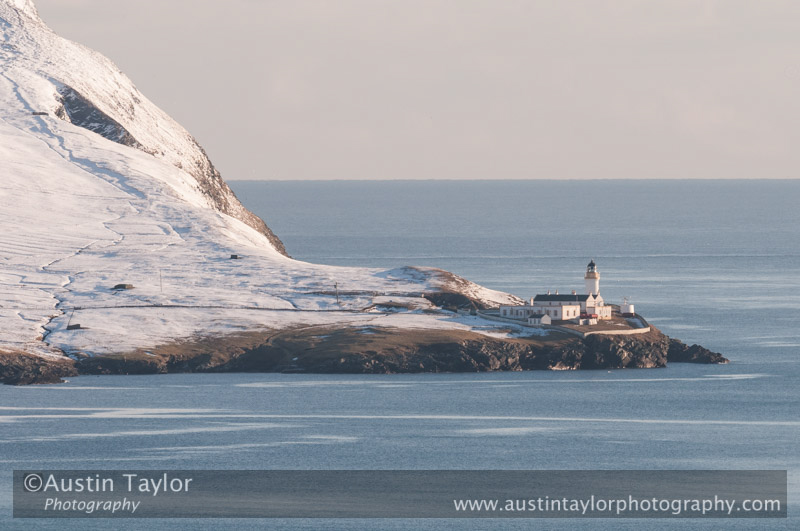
[574, 292]
[556, 292]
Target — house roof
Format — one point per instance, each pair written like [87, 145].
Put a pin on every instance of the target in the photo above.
[536, 316]
[561, 298]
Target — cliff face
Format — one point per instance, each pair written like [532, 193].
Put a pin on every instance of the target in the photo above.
[387, 351]
[19, 368]
[679, 352]
[373, 351]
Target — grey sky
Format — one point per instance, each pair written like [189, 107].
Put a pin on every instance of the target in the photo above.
[426, 89]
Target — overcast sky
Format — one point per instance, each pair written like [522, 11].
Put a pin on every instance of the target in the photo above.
[430, 89]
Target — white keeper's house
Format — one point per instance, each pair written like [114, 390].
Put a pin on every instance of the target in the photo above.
[582, 308]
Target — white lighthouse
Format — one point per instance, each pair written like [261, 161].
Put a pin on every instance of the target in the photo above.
[581, 309]
[592, 279]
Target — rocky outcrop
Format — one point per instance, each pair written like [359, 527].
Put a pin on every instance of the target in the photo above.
[319, 349]
[220, 195]
[79, 110]
[22, 369]
[386, 351]
[679, 352]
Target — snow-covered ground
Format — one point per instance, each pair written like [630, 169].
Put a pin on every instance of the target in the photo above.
[80, 214]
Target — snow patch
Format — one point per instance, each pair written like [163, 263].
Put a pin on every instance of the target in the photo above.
[24, 6]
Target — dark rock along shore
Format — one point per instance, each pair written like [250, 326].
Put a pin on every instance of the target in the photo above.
[378, 351]
[21, 368]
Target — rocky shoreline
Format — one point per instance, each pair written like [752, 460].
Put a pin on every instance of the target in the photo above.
[19, 368]
[368, 351]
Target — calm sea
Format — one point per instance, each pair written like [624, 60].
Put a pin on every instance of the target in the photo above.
[712, 262]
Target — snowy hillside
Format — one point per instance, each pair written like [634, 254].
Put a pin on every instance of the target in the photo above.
[98, 187]
[87, 89]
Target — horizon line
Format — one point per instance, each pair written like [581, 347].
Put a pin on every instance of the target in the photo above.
[508, 179]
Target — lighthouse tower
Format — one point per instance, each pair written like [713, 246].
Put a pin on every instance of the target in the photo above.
[592, 279]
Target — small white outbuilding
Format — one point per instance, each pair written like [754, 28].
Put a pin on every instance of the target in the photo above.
[539, 319]
[626, 308]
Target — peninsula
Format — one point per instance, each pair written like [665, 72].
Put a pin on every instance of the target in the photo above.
[123, 251]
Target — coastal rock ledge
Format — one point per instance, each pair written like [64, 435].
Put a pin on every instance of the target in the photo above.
[20, 368]
[370, 351]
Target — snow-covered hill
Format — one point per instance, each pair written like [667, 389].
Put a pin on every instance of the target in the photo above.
[86, 88]
[99, 187]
